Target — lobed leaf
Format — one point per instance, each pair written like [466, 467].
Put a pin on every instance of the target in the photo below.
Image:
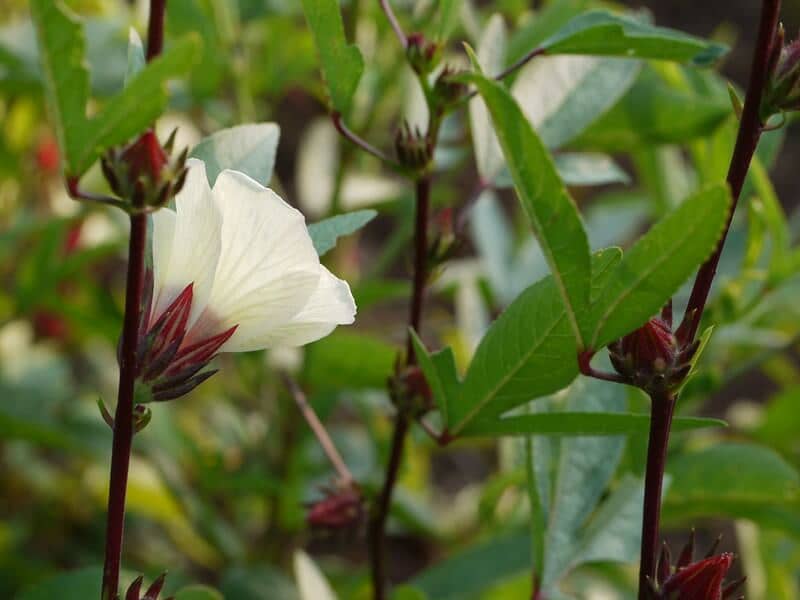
[248, 148]
[325, 233]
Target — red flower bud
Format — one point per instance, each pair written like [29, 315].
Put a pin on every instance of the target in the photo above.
[339, 509]
[702, 580]
[145, 157]
[152, 593]
[651, 357]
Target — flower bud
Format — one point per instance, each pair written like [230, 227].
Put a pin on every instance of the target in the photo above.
[339, 509]
[145, 158]
[448, 90]
[694, 580]
[143, 173]
[783, 86]
[414, 149]
[651, 357]
[421, 53]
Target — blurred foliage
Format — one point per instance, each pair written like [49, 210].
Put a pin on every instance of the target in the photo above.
[220, 479]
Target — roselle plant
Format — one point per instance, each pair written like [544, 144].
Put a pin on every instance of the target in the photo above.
[509, 311]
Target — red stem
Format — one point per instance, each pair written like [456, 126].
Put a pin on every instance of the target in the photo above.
[660, 420]
[380, 515]
[750, 129]
[123, 416]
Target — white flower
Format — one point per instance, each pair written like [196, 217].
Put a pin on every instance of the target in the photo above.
[236, 264]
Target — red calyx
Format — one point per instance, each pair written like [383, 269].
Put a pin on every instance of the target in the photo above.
[702, 580]
[145, 157]
[338, 510]
[652, 347]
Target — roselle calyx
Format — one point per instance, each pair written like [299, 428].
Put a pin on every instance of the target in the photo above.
[144, 172]
[135, 590]
[342, 507]
[168, 365]
[694, 580]
[652, 358]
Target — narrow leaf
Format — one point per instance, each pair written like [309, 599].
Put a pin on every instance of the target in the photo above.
[342, 64]
[602, 33]
[325, 233]
[653, 270]
[551, 212]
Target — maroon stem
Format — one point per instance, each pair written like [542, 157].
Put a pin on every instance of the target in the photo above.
[750, 129]
[661, 411]
[380, 514]
[123, 416]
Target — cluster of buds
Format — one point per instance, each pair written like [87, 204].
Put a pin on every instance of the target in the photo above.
[783, 77]
[414, 149]
[144, 173]
[448, 88]
[421, 53]
[653, 358]
[341, 508]
[167, 364]
[694, 580]
[152, 593]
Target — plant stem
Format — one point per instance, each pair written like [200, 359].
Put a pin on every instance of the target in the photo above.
[123, 416]
[398, 31]
[380, 514]
[750, 129]
[661, 411]
[353, 138]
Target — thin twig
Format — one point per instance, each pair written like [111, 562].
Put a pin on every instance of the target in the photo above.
[351, 136]
[74, 190]
[750, 129]
[325, 441]
[390, 16]
[512, 68]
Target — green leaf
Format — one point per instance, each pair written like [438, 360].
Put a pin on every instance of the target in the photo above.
[729, 480]
[589, 169]
[248, 148]
[551, 212]
[72, 585]
[563, 95]
[342, 64]
[602, 33]
[62, 49]
[198, 592]
[448, 18]
[325, 233]
[142, 101]
[578, 424]
[655, 111]
[329, 364]
[553, 16]
[527, 352]
[653, 270]
[440, 372]
[467, 573]
[257, 583]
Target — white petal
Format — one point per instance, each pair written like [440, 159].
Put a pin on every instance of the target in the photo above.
[192, 257]
[268, 267]
[330, 305]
